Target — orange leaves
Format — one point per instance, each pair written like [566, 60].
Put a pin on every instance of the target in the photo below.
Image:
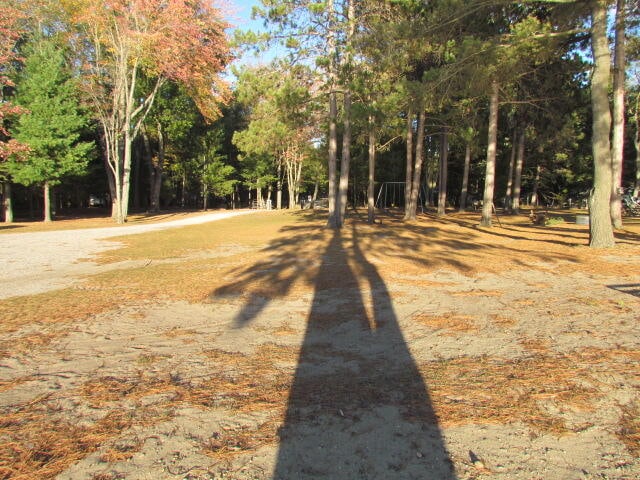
[179, 40]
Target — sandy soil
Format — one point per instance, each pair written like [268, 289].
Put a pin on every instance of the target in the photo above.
[37, 262]
[315, 357]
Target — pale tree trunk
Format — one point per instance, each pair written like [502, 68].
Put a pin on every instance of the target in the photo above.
[617, 147]
[46, 190]
[517, 180]
[409, 169]
[372, 169]
[205, 196]
[636, 142]
[536, 184]
[293, 179]
[7, 204]
[489, 182]
[444, 170]
[183, 194]
[508, 200]
[600, 228]
[465, 178]
[417, 169]
[279, 186]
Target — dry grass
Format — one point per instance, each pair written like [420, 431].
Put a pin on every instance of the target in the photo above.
[450, 322]
[287, 256]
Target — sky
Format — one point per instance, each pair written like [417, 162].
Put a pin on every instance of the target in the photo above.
[240, 18]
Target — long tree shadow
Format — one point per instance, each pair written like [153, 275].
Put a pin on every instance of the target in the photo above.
[358, 407]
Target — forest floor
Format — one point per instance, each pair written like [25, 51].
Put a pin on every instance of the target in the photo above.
[267, 347]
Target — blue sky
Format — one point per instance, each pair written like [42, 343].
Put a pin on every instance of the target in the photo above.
[240, 17]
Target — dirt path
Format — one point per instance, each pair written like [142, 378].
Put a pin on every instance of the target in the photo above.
[37, 262]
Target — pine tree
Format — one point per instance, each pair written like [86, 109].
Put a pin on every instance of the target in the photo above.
[53, 127]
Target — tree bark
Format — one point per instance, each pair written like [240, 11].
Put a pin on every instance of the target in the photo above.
[7, 203]
[617, 147]
[46, 190]
[345, 162]
[536, 183]
[417, 169]
[492, 142]
[372, 169]
[333, 220]
[409, 167]
[600, 228]
[279, 186]
[444, 168]
[517, 180]
[465, 178]
[508, 200]
[636, 143]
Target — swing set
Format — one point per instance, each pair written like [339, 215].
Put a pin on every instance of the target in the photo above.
[391, 195]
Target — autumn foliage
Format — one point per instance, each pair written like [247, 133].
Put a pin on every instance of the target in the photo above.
[9, 35]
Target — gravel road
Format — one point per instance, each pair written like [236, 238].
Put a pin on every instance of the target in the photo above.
[41, 261]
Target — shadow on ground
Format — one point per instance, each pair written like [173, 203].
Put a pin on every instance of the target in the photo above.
[358, 407]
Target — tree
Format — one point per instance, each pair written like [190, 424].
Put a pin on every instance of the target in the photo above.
[600, 229]
[217, 176]
[281, 115]
[10, 33]
[177, 40]
[617, 140]
[54, 125]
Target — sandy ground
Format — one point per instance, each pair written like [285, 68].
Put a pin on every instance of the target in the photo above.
[371, 373]
[41, 261]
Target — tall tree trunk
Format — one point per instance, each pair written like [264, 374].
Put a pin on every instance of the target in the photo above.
[158, 168]
[345, 162]
[409, 167]
[279, 184]
[517, 180]
[183, 194]
[137, 163]
[333, 220]
[417, 169]
[600, 228]
[372, 170]
[508, 200]
[617, 148]
[636, 143]
[492, 142]
[7, 203]
[46, 190]
[205, 196]
[465, 177]
[536, 184]
[444, 170]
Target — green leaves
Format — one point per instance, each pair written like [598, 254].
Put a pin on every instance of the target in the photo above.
[54, 125]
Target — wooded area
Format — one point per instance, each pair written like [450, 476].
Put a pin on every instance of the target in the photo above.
[487, 104]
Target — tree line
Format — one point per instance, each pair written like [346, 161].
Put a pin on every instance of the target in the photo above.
[487, 101]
